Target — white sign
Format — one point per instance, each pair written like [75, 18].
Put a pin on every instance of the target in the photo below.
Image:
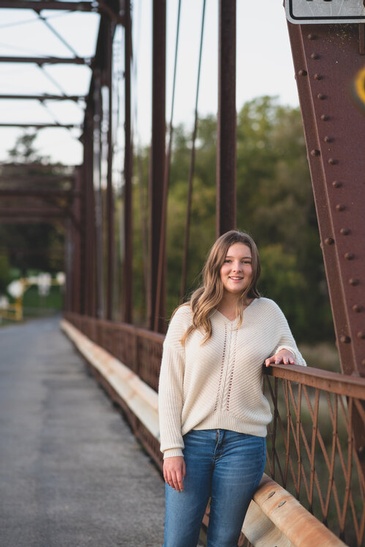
[325, 11]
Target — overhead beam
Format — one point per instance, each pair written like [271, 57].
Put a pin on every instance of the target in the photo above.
[45, 60]
[40, 125]
[95, 7]
[44, 97]
[49, 5]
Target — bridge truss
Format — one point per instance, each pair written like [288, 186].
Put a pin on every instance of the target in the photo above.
[329, 69]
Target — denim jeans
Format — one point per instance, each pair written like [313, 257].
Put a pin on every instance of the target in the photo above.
[222, 465]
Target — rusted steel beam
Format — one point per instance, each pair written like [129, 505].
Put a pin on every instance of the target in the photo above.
[40, 125]
[98, 195]
[128, 171]
[348, 386]
[156, 298]
[110, 253]
[46, 60]
[330, 77]
[226, 136]
[49, 5]
[44, 97]
[89, 297]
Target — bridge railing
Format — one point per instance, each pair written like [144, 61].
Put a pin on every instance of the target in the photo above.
[311, 447]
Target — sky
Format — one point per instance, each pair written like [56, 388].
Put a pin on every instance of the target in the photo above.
[264, 67]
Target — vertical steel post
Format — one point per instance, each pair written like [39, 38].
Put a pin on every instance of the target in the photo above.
[128, 171]
[109, 188]
[226, 135]
[89, 283]
[157, 170]
[98, 198]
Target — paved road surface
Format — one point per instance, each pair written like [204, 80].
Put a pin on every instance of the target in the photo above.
[71, 472]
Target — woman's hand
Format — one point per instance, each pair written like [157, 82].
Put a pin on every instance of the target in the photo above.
[174, 472]
[283, 356]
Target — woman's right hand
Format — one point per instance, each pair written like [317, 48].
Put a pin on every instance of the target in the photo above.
[174, 472]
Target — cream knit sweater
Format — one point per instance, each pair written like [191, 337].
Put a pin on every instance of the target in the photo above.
[218, 384]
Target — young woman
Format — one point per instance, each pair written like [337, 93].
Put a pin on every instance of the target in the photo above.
[213, 414]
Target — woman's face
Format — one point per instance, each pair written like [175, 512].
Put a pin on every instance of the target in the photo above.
[236, 272]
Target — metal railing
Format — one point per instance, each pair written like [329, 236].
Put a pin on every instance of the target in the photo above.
[311, 447]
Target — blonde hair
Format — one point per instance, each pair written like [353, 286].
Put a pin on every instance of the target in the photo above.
[208, 296]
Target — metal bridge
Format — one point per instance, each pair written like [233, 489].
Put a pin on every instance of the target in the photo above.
[314, 488]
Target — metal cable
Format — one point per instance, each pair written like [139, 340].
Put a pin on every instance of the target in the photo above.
[192, 167]
[162, 248]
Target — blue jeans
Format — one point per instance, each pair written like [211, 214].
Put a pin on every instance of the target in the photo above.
[224, 466]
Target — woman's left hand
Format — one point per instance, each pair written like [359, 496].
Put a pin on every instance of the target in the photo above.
[282, 357]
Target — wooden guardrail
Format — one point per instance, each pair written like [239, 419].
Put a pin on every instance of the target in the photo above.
[274, 517]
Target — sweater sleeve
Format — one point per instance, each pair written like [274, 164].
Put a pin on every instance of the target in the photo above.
[286, 339]
[170, 392]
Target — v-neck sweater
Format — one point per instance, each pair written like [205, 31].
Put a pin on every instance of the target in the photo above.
[218, 384]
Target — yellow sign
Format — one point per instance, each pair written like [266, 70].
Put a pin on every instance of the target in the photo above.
[360, 85]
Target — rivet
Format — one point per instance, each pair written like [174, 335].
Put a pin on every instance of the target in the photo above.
[345, 339]
[317, 77]
[337, 184]
[314, 56]
[328, 139]
[329, 241]
[354, 282]
[349, 256]
[361, 335]
[312, 36]
[324, 117]
[345, 231]
[357, 308]
[321, 96]
[363, 362]
[315, 153]
[302, 72]
[340, 207]
[332, 161]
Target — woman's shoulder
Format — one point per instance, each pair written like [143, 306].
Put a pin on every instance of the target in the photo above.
[267, 304]
[181, 317]
[179, 323]
[182, 312]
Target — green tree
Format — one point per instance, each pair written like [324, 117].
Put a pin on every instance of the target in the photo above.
[5, 276]
[32, 245]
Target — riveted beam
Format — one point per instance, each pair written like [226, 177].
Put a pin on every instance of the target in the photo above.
[328, 65]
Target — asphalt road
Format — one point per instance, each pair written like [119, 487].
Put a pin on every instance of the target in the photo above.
[71, 472]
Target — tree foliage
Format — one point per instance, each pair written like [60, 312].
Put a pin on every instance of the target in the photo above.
[34, 245]
[274, 204]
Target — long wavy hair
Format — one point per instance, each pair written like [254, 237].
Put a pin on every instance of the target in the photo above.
[208, 296]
